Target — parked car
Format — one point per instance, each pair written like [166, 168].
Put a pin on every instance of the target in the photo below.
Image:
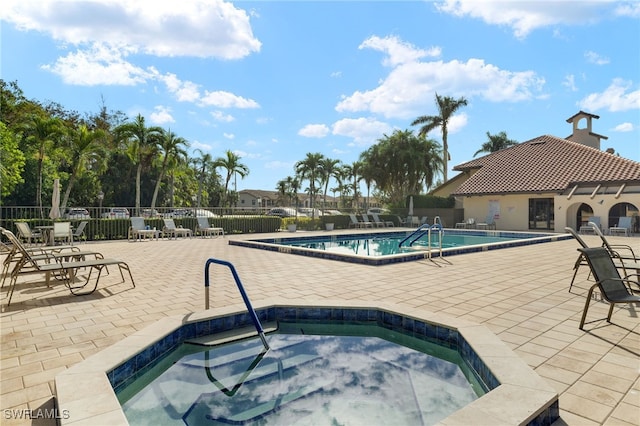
[308, 211]
[332, 212]
[175, 213]
[116, 213]
[203, 213]
[150, 213]
[76, 213]
[283, 212]
[378, 210]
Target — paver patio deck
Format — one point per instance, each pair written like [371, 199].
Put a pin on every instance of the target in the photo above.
[519, 293]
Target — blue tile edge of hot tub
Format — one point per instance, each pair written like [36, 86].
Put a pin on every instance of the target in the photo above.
[445, 336]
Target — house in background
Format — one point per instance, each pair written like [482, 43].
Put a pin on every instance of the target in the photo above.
[548, 183]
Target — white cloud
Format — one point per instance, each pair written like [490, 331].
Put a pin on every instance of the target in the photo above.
[201, 146]
[624, 127]
[220, 116]
[314, 131]
[98, 65]
[619, 96]
[570, 83]
[223, 99]
[630, 9]
[523, 17]
[278, 165]
[363, 131]
[409, 88]
[594, 58]
[229, 135]
[184, 91]
[398, 52]
[198, 28]
[161, 115]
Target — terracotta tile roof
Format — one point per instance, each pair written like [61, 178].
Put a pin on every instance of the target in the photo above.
[544, 164]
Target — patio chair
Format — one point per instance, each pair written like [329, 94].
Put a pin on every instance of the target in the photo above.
[623, 227]
[355, 223]
[62, 232]
[206, 230]
[489, 223]
[589, 228]
[613, 288]
[171, 230]
[622, 252]
[64, 266]
[28, 235]
[79, 231]
[377, 223]
[139, 231]
[387, 223]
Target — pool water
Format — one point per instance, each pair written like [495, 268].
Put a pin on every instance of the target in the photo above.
[387, 245]
[313, 374]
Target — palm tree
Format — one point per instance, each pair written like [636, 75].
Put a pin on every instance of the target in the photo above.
[356, 177]
[231, 163]
[171, 147]
[447, 106]
[496, 143]
[309, 169]
[202, 166]
[328, 168]
[141, 146]
[86, 149]
[45, 133]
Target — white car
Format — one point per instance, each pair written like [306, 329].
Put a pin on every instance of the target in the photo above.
[378, 210]
[116, 213]
[77, 214]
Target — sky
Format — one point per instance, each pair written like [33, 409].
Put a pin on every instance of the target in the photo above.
[275, 80]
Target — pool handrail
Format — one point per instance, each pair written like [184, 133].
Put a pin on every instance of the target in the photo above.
[245, 298]
[420, 230]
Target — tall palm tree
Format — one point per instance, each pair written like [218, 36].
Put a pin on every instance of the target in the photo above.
[447, 106]
[44, 132]
[86, 149]
[171, 147]
[141, 146]
[496, 143]
[202, 166]
[231, 163]
[328, 169]
[356, 177]
[309, 169]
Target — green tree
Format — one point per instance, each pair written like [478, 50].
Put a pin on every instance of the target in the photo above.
[231, 163]
[86, 150]
[141, 144]
[309, 169]
[203, 165]
[12, 161]
[171, 147]
[496, 143]
[43, 132]
[447, 107]
[329, 168]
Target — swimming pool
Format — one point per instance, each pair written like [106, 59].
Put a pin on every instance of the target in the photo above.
[383, 247]
[518, 395]
[313, 373]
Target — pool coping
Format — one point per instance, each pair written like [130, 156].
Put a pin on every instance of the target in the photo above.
[85, 391]
[272, 244]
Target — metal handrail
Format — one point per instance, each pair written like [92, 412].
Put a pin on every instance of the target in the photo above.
[421, 230]
[245, 298]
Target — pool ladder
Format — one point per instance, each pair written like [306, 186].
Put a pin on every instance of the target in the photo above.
[245, 298]
[427, 229]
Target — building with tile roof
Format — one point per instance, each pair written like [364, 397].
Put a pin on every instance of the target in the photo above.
[548, 183]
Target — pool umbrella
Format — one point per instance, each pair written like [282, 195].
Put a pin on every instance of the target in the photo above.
[55, 200]
[411, 206]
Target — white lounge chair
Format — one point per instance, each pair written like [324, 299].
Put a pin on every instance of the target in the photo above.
[377, 220]
[588, 228]
[623, 227]
[171, 230]
[355, 223]
[138, 230]
[377, 223]
[206, 230]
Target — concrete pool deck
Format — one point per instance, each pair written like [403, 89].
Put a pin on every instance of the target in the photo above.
[519, 293]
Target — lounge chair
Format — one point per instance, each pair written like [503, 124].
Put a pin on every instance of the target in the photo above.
[613, 288]
[28, 235]
[489, 223]
[387, 223]
[623, 227]
[170, 230]
[139, 231]
[377, 223]
[588, 228]
[206, 230]
[63, 265]
[355, 223]
[619, 251]
[623, 263]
